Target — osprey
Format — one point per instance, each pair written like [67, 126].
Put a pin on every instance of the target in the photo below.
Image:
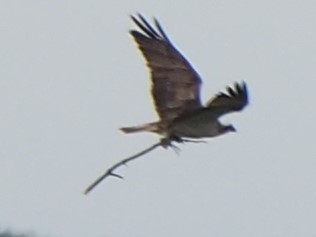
[176, 91]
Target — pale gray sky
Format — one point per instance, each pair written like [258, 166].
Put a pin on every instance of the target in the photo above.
[71, 75]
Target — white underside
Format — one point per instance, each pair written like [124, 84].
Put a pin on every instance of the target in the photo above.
[196, 127]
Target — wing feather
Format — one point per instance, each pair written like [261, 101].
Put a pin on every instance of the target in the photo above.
[235, 99]
[175, 84]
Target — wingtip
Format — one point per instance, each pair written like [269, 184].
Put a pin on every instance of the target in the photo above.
[244, 85]
[242, 88]
[140, 15]
[156, 21]
[132, 32]
[133, 16]
[246, 93]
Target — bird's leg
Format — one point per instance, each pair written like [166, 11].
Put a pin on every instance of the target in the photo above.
[166, 142]
[175, 148]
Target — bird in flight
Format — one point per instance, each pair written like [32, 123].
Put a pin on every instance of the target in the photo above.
[176, 93]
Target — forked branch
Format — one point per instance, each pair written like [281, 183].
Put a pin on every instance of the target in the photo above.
[110, 171]
[165, 143]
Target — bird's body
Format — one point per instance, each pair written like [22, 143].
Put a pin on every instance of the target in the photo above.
[198, 125]
[201, 123]
[176, 91]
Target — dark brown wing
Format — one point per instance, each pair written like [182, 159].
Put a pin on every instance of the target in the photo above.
[235, 99]
[175, 84]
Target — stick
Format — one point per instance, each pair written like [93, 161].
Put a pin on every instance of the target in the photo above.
[109, 172]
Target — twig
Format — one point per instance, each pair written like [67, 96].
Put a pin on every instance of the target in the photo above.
[164, 142]
[109, 172]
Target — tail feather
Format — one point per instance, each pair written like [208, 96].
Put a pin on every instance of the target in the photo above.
[149, 127]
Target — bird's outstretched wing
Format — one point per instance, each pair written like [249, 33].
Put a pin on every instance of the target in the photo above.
[175, 84]
[235, 99]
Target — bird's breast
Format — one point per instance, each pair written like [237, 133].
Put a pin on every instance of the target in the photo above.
[195, 127]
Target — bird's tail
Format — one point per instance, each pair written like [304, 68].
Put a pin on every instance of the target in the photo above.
[148, 127]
